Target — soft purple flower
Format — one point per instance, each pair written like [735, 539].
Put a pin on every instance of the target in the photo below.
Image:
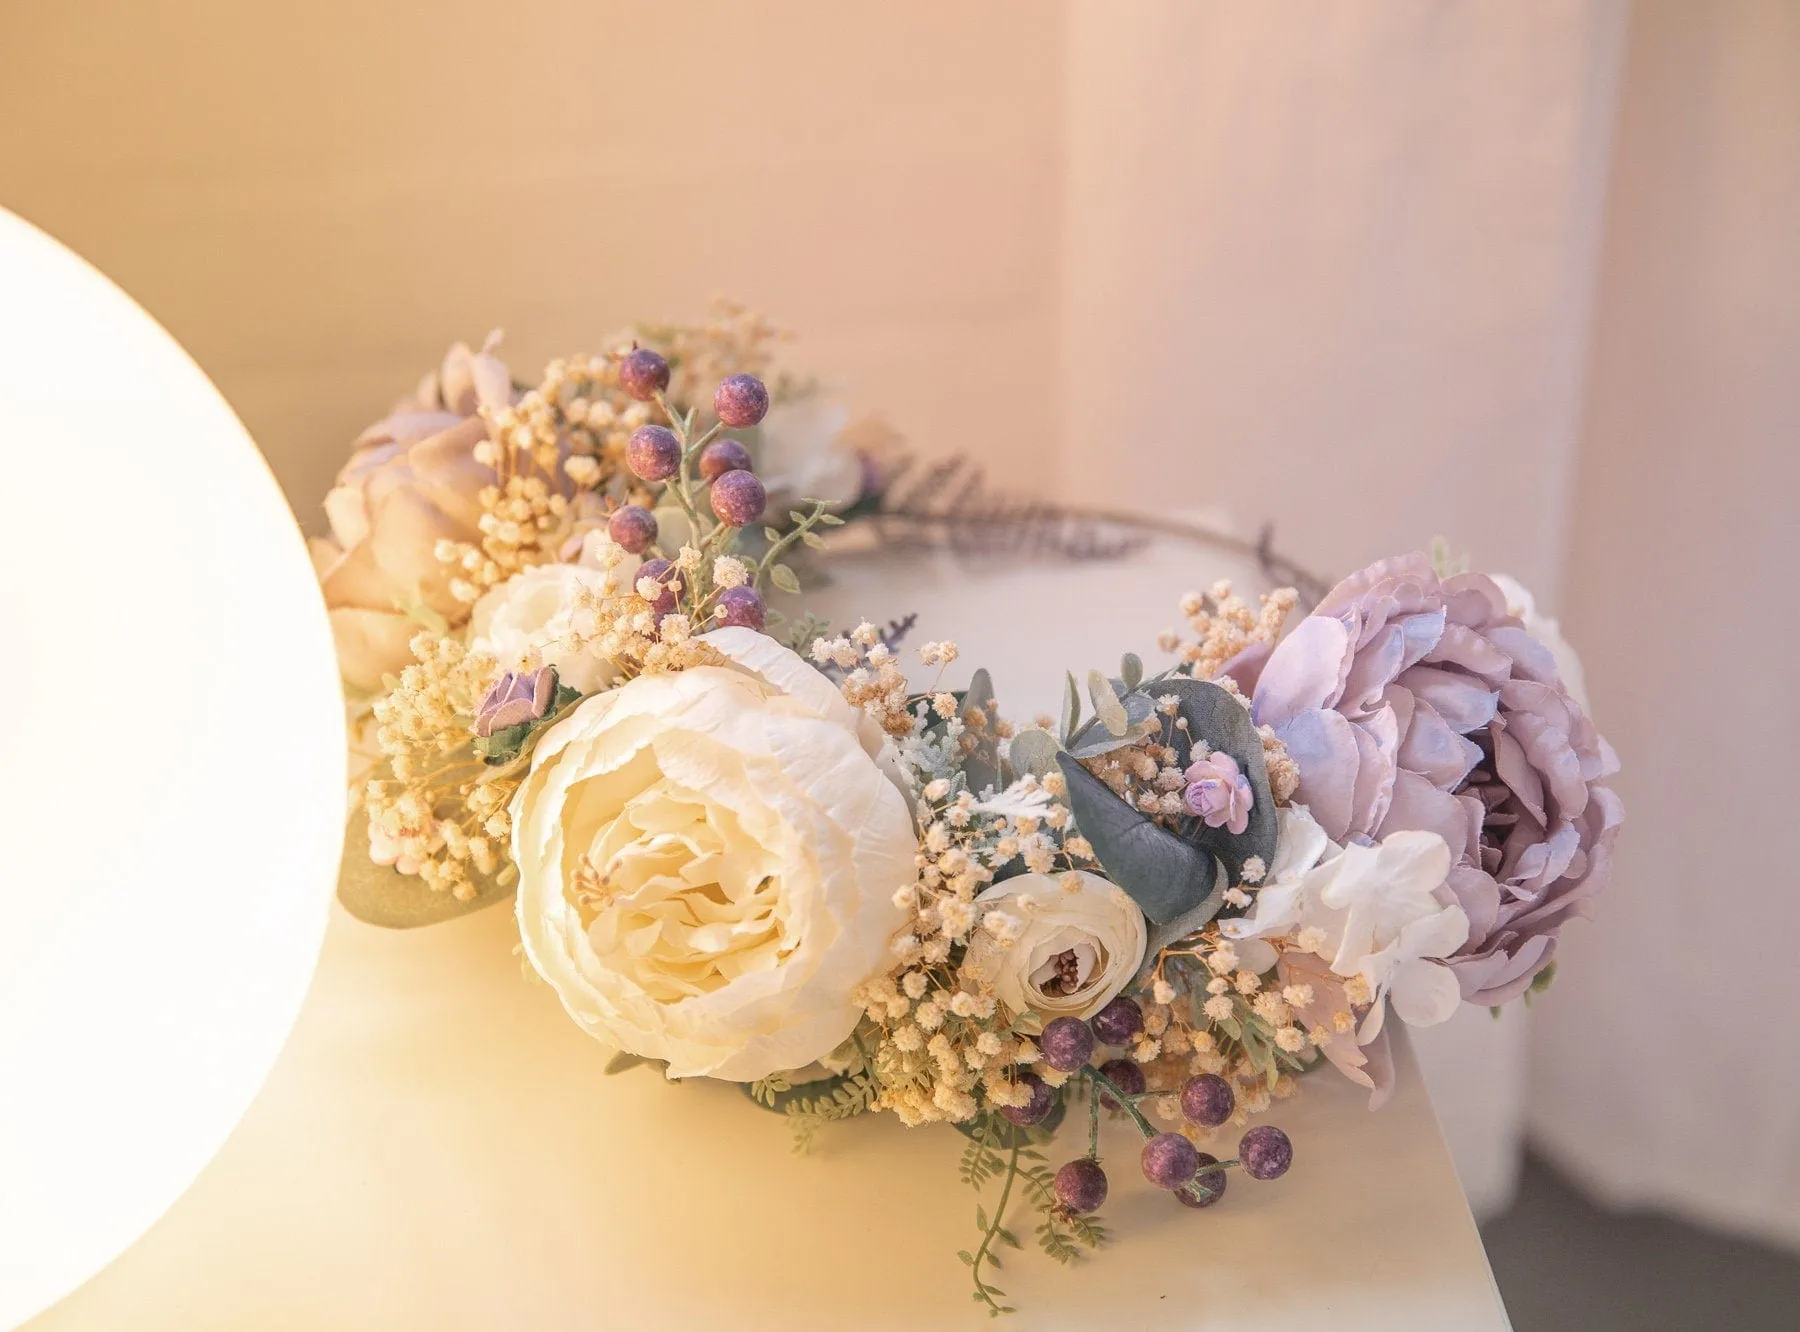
[1414, 702]
[517, 696]
[1219, 793]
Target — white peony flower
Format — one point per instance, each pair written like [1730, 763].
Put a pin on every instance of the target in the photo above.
[1376, 910]
[531, 620]
[1547, 631]
[1074, 950]
[708, 862]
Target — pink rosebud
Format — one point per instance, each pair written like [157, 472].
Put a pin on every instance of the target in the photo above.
[1219, 793]
[516, 697]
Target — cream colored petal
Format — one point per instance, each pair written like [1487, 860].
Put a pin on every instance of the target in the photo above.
[371, 644]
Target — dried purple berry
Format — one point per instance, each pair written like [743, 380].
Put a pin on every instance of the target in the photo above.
[665, 573]
[722, 456]
[1037, 1109]
[738, 498]
[653, 453]
[1207, 1100]
[742, 608]
[1081, 1185]
[643, 374]
[1206, 1187]
[1126, 1075]
[1067, 1042]
[741, 400]
[1119, 1021]
[1265, 1152]
[1169, 1160]
[633, 527]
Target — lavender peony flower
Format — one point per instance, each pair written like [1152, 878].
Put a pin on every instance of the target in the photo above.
[1414, 702]
[1218, 793]
[517, 696]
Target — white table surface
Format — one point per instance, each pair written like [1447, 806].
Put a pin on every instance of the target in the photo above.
[438, 1148]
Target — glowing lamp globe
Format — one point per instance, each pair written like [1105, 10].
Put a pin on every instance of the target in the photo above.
[171, 771]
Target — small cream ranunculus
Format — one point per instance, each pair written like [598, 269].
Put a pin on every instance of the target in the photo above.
[1074, 950]
[708, 862]
[532, 619]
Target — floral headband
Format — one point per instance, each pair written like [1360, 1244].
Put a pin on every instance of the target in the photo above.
[826, 866]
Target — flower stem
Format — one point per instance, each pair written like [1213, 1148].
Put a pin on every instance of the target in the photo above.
[1100, 1079]
[984, 1292]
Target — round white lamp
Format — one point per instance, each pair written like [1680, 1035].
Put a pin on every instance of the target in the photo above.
[171, 771]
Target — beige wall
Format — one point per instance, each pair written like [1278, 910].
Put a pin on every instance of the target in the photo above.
[315, 199]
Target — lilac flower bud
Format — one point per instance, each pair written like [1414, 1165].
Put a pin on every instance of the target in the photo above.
[1218, 792]
[1207, 1100]
[722, 456]
[1169, 1160]
[741, 400]
[516, 697]
[1265, 1152]
[1081, 1185]
[653, 453]
[1206, 1187]
[1067, 1042]
[643, 374]
[633, 527]
[1119, 1021]
[663, 572]
[1037, 1109]
[738, 498]
[1125, 1074]
[742, 607]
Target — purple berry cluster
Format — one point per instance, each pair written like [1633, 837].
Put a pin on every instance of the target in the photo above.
[657, 454]
[1168, 1160]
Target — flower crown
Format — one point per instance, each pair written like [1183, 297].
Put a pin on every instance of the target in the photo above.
[748, 848]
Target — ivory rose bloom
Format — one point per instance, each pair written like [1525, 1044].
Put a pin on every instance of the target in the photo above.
[532, 620]
[709, 861]
[411, 482]
[1073, 951]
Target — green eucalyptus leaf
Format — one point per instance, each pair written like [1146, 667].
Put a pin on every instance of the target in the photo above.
[1106, 703]
[1071, 706]
[381, 895]
[1100, 742]
[1033, 750]
[981, 764]
[1166, 875]
[1188, 922]
[783, 578]
[1131, 671]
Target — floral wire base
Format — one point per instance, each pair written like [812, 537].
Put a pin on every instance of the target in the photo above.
[751, 848]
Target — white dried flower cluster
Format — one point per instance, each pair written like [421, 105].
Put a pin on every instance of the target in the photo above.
[944, 1045]
[436, 813]
[1223, 625]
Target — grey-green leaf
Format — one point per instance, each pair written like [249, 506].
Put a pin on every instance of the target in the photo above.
[1071, 705]
[1033, 750]
[1166, 875]
[783, 578]
[381, 895]
[1131, 670]
[982, 763]
[1106, 703]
